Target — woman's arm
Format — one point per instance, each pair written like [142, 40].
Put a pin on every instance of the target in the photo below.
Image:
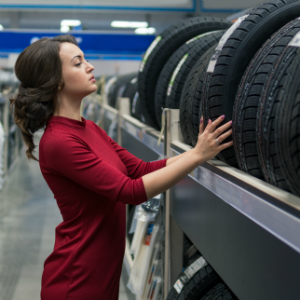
[207, 147]
[175, 158]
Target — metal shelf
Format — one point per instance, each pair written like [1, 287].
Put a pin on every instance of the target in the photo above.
[247, 229]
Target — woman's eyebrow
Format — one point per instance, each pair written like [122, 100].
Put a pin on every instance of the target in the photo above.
[75, 57]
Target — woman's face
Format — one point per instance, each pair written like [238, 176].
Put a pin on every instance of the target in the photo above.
[76, 72]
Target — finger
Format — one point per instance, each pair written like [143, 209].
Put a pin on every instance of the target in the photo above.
[226, 145]
[215, 123]
[224, 136]
[201, 127]
[222, 128]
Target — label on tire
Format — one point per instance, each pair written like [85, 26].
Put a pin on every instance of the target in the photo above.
[175, 73]
[148, 52]
[189, 273]
[225, 37]
[178, 286]
[201, 36]
[295, 42]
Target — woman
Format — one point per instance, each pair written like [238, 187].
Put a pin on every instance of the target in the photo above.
[90, 175]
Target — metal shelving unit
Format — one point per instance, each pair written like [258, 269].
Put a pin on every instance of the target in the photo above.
[247, 229]
[13, 141]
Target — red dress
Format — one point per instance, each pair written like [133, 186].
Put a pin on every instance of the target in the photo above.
[92, 178]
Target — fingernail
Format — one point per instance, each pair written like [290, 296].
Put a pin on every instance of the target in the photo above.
[201, 121]
[209, 121]
[230, 122]
[223, 116]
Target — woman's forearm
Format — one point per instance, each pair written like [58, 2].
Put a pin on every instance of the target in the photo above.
[209, 144]
[175, 158]
[161, 180]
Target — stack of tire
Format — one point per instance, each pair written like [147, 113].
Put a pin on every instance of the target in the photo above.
[247, 73]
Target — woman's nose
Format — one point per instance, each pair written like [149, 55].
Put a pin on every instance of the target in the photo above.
[90, 67]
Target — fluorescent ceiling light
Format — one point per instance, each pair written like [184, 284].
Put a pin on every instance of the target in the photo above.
[64, 28]
[1, 27]
[149, 30]
[128, 24]
[70, 23]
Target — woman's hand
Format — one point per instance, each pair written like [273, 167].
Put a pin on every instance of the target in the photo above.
[210, 139]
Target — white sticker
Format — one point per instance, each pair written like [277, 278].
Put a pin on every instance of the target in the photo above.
[133, 81]
[295, 42]
[148, 52]
[178, 286]
[201, 36]
[195, 267]
[225, 37]
[175, 74]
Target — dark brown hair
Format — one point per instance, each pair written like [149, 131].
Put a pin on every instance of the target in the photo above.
[39, 70]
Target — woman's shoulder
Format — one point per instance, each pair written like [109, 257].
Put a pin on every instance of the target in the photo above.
[55, 137]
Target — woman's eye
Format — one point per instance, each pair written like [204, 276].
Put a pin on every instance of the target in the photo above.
[77, 65]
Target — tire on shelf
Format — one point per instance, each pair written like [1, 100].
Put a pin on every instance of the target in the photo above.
[130, 90]
[191, 99]
[160, 51]
[270, 102]
[219, 292]
[114, 91]
[194, 282]
[247, 98]
[234, 53]
[136, 108]
[180, 74]
[287, 127]
[177, 69]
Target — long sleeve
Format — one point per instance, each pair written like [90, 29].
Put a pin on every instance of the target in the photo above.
[136, 167]
[67, 155]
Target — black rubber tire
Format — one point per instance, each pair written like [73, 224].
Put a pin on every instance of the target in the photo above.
[266, 119]
[181, 61]
[191, 99]
[136, 107]
[219, 292]
[130, 90]
[173, 98]
[287, 127]
[190, 252]
[196, 286]
[115, 92]
[247, 98]
[160, 51]
[221, 83]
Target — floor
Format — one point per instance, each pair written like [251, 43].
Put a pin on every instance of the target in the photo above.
[28, 217]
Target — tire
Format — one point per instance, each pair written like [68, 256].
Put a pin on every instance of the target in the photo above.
[130, 90]
[287, 127]
[160, 51]
[233, 55]
[190, 252]
[174, 94]
[247, 98]
[115, 91]
[194, 284]
[180, 64]
[135, 108]
[219, 292]
[269, 103]
[191, 99]
[109, 83]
